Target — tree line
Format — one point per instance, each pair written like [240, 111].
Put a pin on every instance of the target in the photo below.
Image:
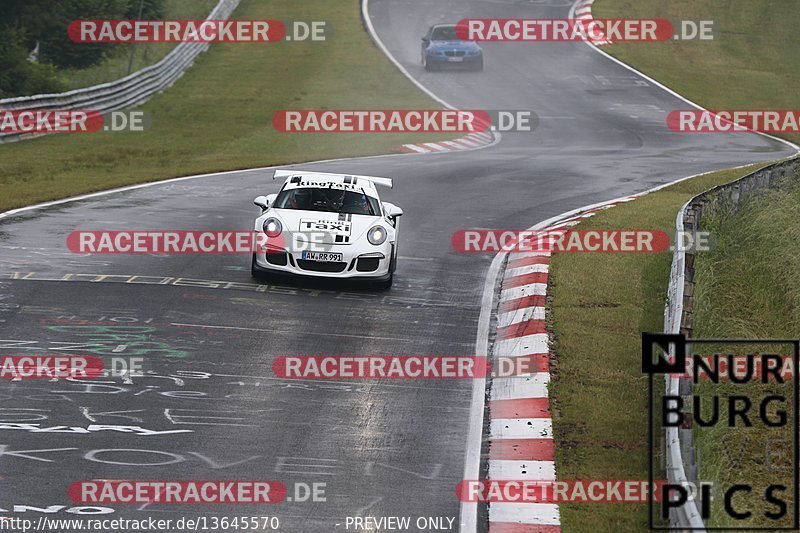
[34, 46]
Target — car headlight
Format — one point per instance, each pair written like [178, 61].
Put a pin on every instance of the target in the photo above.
[376, 235]
[272, 227]
[474, 52]
[437, 53]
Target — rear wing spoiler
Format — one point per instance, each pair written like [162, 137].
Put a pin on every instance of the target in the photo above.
[386, 182]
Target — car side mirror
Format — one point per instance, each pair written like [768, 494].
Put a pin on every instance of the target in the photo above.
[392, 211]
[265, 201]
[262, 202]
[426, 40]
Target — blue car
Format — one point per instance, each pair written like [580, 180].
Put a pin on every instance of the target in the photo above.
[442, 48]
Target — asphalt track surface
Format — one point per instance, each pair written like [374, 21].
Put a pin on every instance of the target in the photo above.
[384, 448]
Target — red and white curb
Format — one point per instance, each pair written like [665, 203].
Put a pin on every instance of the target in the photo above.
[583, 11]
[521, 445]
[468, 142]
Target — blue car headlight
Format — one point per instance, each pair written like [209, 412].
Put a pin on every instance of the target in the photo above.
[474, 52]
[437, 53]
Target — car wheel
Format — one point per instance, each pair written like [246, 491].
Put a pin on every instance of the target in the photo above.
[478, 66]
[428, 65]
[253, 271]
[386, 284]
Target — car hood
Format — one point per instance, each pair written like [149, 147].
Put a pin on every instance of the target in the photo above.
[454, 45]
[332, 228]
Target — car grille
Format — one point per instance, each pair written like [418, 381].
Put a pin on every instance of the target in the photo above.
[279, 258]
[455, 53]
[367, 264]
[319, 266]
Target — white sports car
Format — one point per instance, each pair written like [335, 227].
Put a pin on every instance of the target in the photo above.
[328, 225]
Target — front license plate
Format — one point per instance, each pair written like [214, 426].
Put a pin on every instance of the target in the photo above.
[455, 59]
[322, 257]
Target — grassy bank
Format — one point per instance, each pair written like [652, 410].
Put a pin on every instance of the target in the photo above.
[218, 116]
[752, 63]
[601, 304]
[748, 286]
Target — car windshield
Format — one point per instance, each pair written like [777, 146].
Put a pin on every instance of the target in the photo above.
[444, 33]
[329, 200]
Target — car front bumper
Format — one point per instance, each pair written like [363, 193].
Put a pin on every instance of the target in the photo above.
[467, 60]
[356, 264]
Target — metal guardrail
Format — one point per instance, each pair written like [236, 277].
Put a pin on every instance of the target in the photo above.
[678, 441]
[130, 91]
[680, 457]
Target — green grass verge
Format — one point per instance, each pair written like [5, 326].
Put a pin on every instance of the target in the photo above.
[218, 116]
[600, 305]
[751, 64]
[144, 54]
[748, 286]
[602, 302]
